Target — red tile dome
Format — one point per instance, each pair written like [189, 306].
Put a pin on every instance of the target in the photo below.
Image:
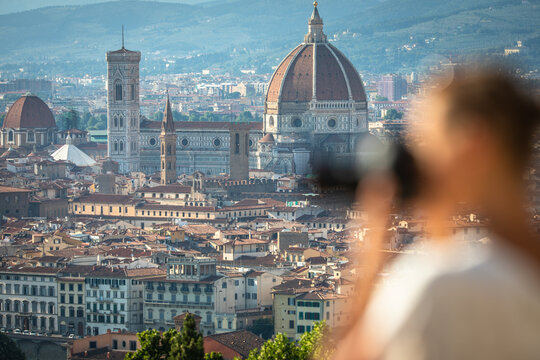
[317, 70]
[29, 111]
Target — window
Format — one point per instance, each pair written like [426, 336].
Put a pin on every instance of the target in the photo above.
[150, 314]
[118, 96]
[92, 344]
[301, 329]
[297, 122]
[132, 345]
[291, 324]
[237, 143]
[251, 282]
[332, 123]
[10, 136]
[30, 136]
[132, 92]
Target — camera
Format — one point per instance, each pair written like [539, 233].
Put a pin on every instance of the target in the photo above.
[371, 157]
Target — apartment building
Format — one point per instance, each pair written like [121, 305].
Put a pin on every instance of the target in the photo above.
[28, 299]
[189, 286]
[114, 299]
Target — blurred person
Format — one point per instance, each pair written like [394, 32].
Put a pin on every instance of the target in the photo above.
[473, 141]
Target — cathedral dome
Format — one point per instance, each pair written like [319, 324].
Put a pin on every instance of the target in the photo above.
[29, 111]
[315, 70]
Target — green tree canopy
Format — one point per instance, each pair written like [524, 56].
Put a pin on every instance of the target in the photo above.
[315, 344]
[69, 120]
[262, 327]
[173, 345]
[9, 350]
[393, 114]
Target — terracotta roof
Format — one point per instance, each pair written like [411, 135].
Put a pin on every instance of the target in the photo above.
[241, 341]
[106, 199]
[174, 188]
[317, 70]
[7, 189]
[268, 138]
[29, 112]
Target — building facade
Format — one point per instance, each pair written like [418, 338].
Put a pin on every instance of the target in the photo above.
[189, 286]
[123, 110]
[113, 300]
[168, 147]
[28, 299]
[315, 101]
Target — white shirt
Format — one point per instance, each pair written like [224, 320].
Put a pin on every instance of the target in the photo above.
[454, 303]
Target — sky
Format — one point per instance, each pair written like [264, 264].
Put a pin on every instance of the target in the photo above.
[10, 6]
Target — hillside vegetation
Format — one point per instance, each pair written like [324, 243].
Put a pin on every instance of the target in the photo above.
[379, 36]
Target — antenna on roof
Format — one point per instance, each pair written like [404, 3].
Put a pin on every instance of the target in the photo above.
[122, 36]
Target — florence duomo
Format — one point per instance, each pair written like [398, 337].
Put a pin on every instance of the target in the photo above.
[315, 100]
[269, 180]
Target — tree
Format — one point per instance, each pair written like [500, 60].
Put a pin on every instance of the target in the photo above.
[262, 327]
[189, 345]
[315, 344]
[154, 346]
[69, 120]
[9, 350]
[393, 114]
[245, 116]
[213, 356]
[281, 348]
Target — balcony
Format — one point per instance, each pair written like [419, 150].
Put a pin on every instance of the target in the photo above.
[149, 321]
[149, 288]
[190, 304]
[184, 289]
[208, 290]
[197, 290]
[173, 289]
[161, 288]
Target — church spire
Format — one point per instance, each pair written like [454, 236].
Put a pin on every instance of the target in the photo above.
[167, 124]
[315, 27]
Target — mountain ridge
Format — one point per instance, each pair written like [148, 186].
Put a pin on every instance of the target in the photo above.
[379, 36]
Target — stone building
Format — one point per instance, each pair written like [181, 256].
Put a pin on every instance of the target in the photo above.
[14, 202]
[29, 123]
[168, 147]
[315, 101]
[189, 286]
[28, 299]
[123, 111]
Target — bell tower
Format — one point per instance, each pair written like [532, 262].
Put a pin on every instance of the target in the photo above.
[123, 108]
[168, 147]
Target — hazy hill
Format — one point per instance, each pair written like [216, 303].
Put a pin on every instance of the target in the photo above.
[377, 35]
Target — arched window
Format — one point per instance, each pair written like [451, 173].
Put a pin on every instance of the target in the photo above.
[118, 95]
[121, 121]
[271, 121]
[10, 136]
[115, 121]
[121, 146]
[169, 149]
[169, 165]
[237, 143]
[162, 149]
[30, 137]
[163, 165]
[246, 145]
[116, 146]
